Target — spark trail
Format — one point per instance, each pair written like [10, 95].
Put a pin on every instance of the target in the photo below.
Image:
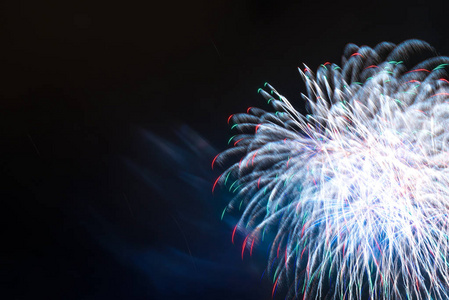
[355, 195]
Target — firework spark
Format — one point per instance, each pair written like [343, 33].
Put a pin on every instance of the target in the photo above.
[355, 194]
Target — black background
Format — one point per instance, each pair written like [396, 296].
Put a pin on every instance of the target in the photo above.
[111, 114]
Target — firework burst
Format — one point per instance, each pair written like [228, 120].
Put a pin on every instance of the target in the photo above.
[355, 195]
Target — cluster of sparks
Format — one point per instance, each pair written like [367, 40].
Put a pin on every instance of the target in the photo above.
[355, 195]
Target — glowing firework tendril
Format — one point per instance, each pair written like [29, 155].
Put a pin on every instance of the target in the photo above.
[356, 194]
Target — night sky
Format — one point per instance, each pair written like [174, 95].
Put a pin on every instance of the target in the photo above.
[112, 113]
